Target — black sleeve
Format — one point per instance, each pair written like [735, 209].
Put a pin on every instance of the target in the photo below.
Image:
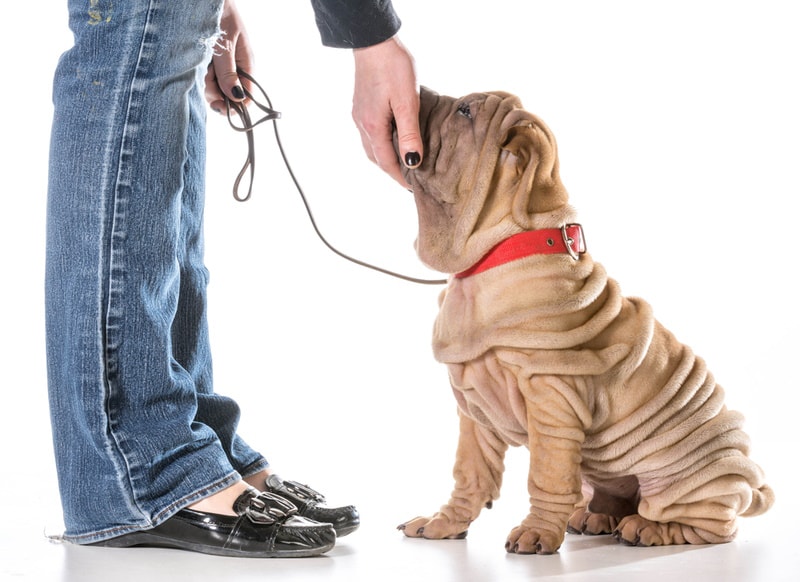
[355, 23]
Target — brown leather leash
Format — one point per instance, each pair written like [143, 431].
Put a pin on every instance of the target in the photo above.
[247, 126]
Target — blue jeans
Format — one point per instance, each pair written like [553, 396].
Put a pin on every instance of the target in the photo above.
[138, 431]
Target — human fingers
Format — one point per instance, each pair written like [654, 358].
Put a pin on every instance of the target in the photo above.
[214, 96]
[386, 98]
[232, 53]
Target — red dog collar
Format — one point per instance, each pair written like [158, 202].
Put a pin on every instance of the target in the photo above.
[548, 241]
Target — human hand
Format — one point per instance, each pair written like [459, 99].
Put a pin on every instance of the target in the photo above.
[385, 90]
[232, 51]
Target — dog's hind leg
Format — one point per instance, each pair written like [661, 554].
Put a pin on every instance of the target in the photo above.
[692, 512]
[697, 498]
[478, 473]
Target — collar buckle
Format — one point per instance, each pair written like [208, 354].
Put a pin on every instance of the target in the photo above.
[569, 241]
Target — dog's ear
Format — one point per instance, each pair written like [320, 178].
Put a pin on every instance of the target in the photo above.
[539, 187]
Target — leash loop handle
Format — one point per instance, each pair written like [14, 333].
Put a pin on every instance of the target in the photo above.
[247, 127]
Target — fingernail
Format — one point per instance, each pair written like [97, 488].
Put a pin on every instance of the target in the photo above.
[412, 159]
[237, 92]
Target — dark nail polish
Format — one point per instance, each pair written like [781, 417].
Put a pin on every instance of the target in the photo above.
[413, 159]
[237, 92]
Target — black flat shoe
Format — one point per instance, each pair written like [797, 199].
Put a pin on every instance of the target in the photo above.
[309, 504]
[267, 526]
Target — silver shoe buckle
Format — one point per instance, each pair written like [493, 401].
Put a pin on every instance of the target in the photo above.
[268, 508]
[304, 492]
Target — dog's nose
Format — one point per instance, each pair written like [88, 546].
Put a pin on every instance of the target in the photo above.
[427, 102]
[426, 92]
[427, 96]
[394, 136]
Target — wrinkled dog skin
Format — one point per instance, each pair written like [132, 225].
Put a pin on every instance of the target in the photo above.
[626, 428]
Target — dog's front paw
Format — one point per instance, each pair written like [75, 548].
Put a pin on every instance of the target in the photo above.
[583, 521]
[530, 540]
[438, 527]
[635, 530]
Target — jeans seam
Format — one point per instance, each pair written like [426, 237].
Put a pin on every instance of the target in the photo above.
[114, 262]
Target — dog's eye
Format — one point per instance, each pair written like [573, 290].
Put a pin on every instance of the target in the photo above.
[463, 109]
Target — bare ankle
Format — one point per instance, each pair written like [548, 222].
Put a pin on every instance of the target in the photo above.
[259, 480]
[221, 502]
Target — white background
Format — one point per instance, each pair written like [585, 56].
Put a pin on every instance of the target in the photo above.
[678, 130]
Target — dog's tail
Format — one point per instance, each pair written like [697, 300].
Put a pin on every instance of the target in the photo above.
[763, 498]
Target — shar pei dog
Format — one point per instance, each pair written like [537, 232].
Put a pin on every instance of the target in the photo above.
[627, 429]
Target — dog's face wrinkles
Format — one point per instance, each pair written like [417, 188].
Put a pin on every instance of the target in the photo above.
[475, 184]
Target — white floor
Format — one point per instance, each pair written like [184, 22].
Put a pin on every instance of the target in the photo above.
[764, 552]
[677, 126]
